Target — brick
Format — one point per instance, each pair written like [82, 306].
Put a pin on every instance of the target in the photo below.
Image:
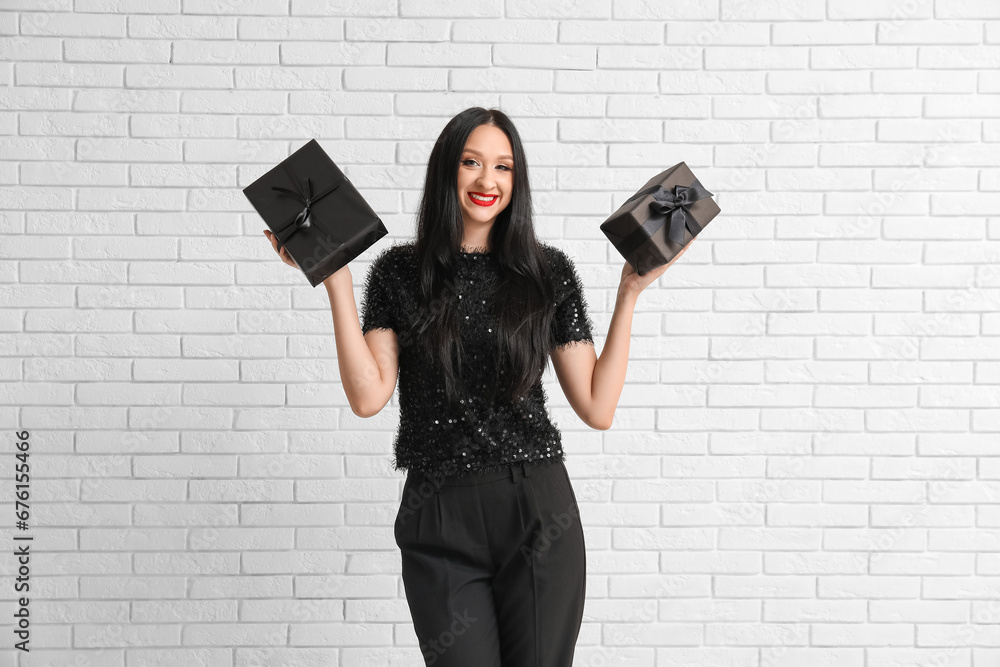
[848, 10]
[749, 58]
[696, 10]
[862, 57]
[772, 10]
[648, 57]
[569, 9]
[392, 30]
[400, 54]
[819, 33]
[929, 32]
[600, 32]
[558, 57]
[485, 8]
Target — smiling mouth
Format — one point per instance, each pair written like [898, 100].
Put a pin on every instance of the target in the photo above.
[482, 200]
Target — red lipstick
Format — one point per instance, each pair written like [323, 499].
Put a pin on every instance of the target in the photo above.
[480, 202]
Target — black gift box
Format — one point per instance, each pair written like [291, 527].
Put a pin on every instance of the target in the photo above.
[659, 220]
[315, 212]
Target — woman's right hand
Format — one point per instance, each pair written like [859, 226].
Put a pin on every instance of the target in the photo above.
[283, 253]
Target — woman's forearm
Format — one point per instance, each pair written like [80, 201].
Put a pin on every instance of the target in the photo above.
[359, 372]
[609, 372]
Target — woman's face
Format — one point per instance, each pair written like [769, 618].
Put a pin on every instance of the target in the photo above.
[486, 169]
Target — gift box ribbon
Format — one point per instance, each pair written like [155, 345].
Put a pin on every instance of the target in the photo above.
[666, 204]
[306, 196]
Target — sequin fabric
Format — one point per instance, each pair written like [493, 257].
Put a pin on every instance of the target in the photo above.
[482, 433]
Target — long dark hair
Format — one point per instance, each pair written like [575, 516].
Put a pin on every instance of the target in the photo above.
[524, 292]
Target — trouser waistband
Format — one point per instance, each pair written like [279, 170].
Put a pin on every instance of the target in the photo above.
[512, 471]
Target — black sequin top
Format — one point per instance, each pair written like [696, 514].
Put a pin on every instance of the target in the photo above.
[479, 435]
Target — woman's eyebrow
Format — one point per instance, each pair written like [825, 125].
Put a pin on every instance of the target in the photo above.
[475, 152]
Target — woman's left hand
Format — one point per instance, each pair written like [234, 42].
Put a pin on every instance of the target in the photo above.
[633, 283]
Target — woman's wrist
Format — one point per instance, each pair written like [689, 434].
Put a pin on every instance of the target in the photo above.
[343, 274]
[626, 296]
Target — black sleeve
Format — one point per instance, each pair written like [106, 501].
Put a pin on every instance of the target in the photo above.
[379, 303]
[572, 321]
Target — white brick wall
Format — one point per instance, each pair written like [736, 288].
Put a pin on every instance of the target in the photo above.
[805, 464]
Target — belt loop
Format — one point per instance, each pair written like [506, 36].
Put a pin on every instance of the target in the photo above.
[513, 472]
[527, 469]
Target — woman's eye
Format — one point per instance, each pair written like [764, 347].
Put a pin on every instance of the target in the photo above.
[468, 160]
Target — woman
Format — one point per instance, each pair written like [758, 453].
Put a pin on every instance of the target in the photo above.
[466, 316]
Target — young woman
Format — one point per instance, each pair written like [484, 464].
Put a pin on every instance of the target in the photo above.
[466, 317]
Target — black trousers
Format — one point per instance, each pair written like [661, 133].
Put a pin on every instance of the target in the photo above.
[494, 566]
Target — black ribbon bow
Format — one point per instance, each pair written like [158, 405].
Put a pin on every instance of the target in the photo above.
[676, 203]
[667, 205]
[306, 196]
